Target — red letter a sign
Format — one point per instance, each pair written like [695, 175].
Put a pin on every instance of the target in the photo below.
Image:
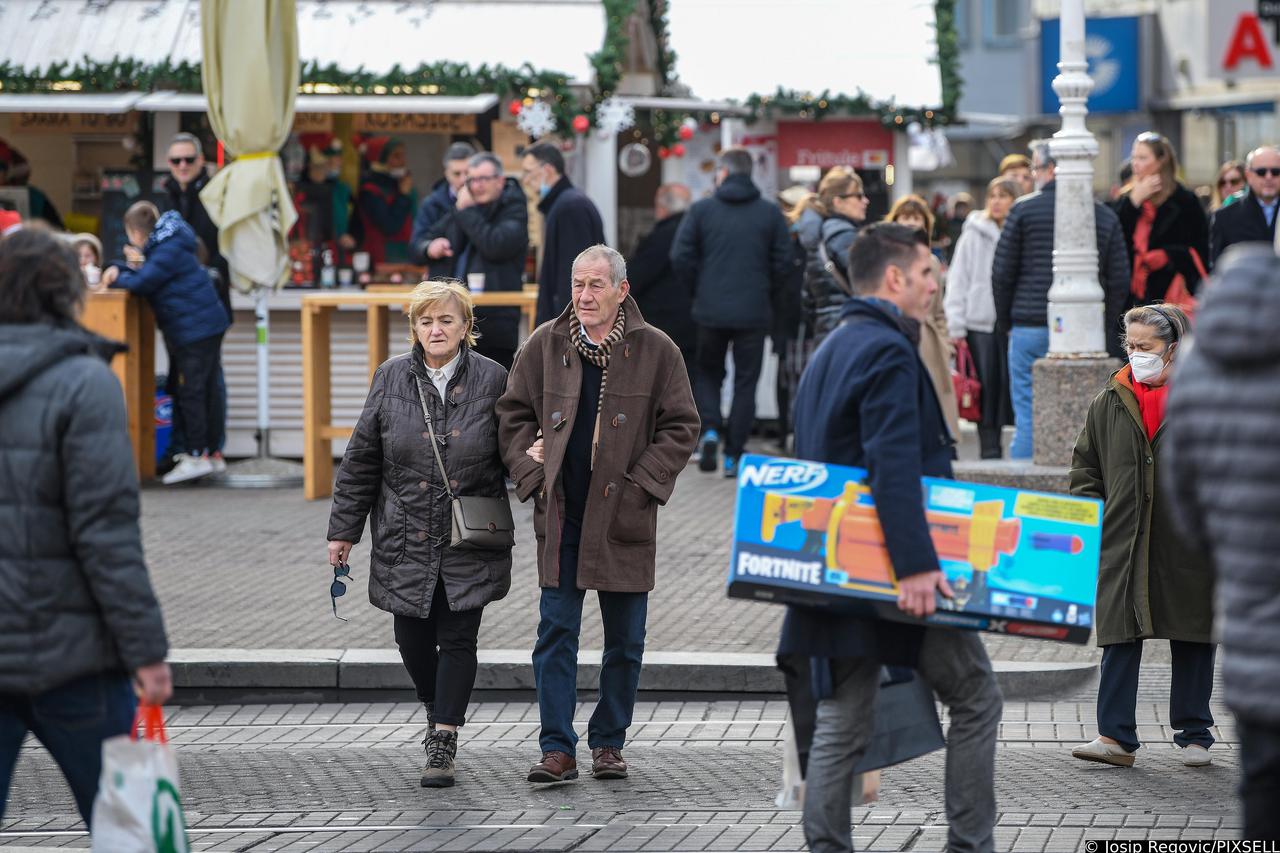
[1247, 42]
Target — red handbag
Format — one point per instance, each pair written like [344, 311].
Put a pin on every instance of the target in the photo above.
[968, 388]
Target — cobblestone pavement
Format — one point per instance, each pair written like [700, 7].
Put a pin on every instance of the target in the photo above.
[344, 777]
[247, 569]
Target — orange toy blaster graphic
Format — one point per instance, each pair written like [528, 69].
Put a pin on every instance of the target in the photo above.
[847, 531]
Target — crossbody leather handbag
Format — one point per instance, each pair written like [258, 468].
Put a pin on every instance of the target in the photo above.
[479, 524]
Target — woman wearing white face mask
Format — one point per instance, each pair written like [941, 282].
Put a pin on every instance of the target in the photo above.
[1151, 584]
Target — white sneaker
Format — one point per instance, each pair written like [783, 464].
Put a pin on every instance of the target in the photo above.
[188, 468]
[219, 464]
[1195, 755]
[1104, 753]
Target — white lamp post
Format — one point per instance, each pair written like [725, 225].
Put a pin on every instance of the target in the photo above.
[1076, 321]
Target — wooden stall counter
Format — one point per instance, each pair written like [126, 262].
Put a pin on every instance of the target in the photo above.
[317, 410]
[121, 316]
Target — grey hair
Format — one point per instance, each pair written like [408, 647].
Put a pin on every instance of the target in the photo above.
[1248, 161]
[458, 151]
[737, 161]
[1042, 155]
[1168, 321]
[617, 264]
[190, 139]
[674, 197]
[485, 157]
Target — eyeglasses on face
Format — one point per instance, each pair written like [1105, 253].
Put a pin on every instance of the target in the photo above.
[1229, 181]
[1266, 171]
[180, 161]
[482, 179]
[857, 195]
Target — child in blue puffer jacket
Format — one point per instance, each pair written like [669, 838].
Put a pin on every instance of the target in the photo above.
[163, 266]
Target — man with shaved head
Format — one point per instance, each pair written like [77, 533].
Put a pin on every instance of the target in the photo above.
[1251, 219]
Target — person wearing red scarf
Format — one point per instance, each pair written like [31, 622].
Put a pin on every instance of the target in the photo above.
[1151, 584]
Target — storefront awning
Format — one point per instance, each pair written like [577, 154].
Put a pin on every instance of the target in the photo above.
[70, 102]
[406, 104]
[885, 48]
[349, 34]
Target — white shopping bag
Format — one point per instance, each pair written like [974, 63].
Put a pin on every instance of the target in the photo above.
[138, 809]
[866, 786]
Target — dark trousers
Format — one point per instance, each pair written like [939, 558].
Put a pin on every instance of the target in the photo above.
[200, 394]
[71, 721]
[1188, 694]
[555, 660]
[217, 427]
[1260, 782]
[440, 654]
[748, 357]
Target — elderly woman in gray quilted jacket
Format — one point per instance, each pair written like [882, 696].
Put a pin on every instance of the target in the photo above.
[390, 475]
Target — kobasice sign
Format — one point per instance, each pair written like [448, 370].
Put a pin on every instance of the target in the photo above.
[116, 124]
[413, 123]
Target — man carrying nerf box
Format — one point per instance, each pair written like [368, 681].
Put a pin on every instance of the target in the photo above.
[866, 401]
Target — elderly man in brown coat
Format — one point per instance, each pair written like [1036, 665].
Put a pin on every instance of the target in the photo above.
[597, 422]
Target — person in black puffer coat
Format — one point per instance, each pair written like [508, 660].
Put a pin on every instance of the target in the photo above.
[843, 206]
[1224, 481]
[79, 616]
[390, 476]
[736, 248]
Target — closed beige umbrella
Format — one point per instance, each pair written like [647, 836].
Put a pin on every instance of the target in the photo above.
[251, 81]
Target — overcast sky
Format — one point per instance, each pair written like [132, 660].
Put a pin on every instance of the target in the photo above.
[733, 48]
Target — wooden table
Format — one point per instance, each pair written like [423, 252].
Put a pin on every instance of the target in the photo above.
[121, 316]
[317, 410]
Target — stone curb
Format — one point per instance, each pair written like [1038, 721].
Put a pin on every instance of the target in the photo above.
[270, 670]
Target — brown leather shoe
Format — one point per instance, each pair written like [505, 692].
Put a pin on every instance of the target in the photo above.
[555, 766]
[607, 763]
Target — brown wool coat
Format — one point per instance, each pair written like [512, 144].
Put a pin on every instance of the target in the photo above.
[648, 429]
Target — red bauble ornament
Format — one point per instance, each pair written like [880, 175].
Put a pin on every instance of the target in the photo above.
[677, 150]
[686, 132]
[514, 108]
[581, 123]
[663, 153]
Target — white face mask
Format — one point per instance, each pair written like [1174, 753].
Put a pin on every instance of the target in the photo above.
[1147, 366]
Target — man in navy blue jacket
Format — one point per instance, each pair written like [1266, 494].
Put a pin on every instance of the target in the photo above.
[865, 400]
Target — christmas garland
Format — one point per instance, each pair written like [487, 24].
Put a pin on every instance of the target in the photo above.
[524, 84]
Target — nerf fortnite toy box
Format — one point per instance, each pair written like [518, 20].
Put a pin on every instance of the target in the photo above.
[1019, 562]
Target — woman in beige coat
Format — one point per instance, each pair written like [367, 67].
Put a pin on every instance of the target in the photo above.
[935, 346]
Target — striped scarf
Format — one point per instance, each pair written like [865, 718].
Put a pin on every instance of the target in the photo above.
[599, 356]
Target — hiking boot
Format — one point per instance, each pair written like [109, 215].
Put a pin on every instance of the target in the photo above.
[607, 763]
[188, 468]
[710, 448]
[555, 766]
[442, 748]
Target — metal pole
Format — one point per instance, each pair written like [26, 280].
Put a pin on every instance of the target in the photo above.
[261, 313]
[1076, 301]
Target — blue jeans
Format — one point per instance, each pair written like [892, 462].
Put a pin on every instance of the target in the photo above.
[555, 661]
[72, 721]
[1026, 345]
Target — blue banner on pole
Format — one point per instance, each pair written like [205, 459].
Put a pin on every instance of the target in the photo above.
[1112, 50]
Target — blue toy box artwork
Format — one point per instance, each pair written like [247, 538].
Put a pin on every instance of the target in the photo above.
[1019, 562]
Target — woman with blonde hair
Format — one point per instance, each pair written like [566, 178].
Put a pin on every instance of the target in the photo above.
[971, 311]
[1230, 180]
[842, 204]
[1164, 225]
[931, 336]
[428, 434]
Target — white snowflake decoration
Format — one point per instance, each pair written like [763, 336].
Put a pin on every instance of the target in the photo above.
[614, 116]
[536, 119]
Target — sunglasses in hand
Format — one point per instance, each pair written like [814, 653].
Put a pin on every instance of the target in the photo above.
[338, 588]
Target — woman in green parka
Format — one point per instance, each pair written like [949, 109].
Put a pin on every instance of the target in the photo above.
[1151, 584]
